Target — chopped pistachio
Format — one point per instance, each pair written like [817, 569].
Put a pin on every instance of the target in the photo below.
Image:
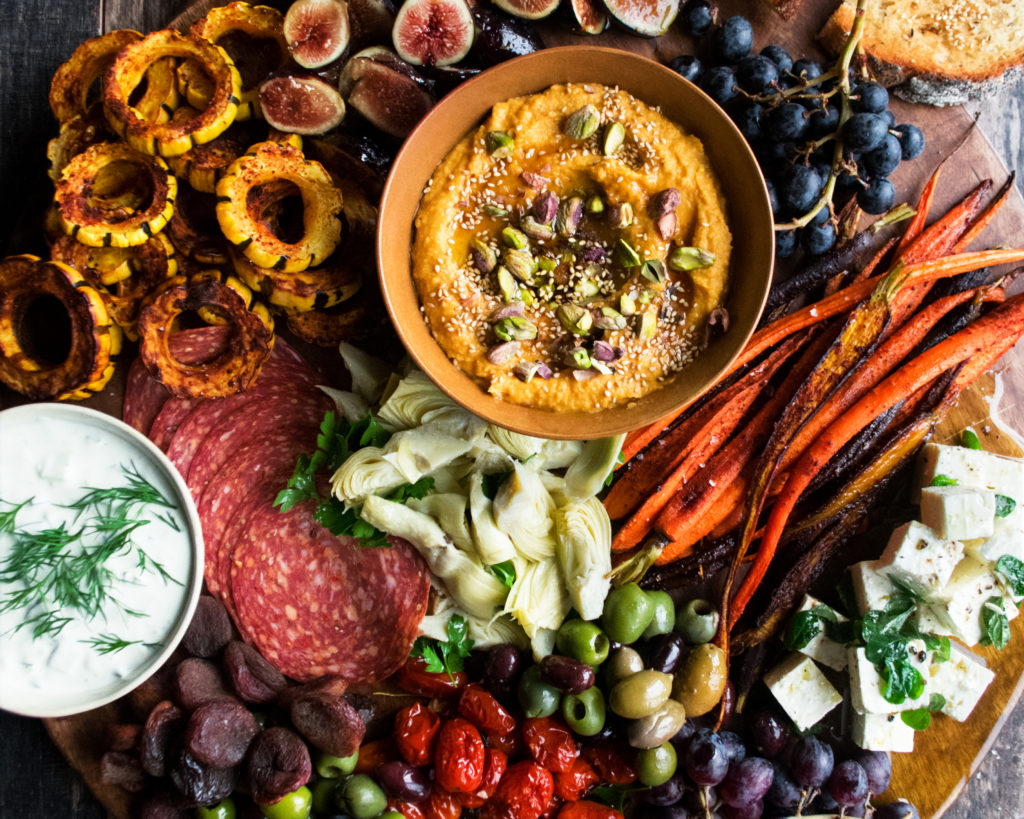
[525, 370]
[514, 238]
[614, 136]
[653, 270]
[626, 255]
[578, 358]
[600, 367]
[515, 328]
[645, 297]
[583, 123]
[508, 285]
[519, 263]
[570, 211]
[627, 304]
[621, 215]
[484, 256]
[547, 264]
[604, 351]
[526, 294]
[536, 230]
[569, 258]
[588, 288]
[690, 258]
[610, 319]
[497, 211]
[499, 144]
[595, 205]
[575, 319]
[516, 308]
[648, 324]
[545, 207]
[503, 353]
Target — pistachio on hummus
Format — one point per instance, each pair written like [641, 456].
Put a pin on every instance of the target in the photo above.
[570, 251]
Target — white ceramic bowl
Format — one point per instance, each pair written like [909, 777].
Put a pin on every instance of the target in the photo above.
[39, 677]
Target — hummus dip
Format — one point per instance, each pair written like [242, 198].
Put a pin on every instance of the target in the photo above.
[570, 251]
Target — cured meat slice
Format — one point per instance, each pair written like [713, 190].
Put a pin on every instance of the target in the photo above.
[167, 421]
[143, 398]
[313, 603]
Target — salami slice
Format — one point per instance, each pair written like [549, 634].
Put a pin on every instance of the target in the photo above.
[167, 421]
[143, 397]
[314, 604]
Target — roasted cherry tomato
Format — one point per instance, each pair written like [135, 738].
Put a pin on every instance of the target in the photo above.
[524, 793]
[441, 804]
[552, 809]
[550, 743]
[407, 809]
[459, 756]
[416, 728]
[576, 782]
[610, 763]
[511, 744]
[588, 810]
[373, 754]
[494, 770]
[414, 678]
[485, 712]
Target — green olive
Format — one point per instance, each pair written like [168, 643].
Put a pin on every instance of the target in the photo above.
[583, 641]
[655, 766]
[392, 814]
[623, 662]
[325, 796]
[538, 698]
[331, 767]
[362, 798]
[664, 618]
[697, 622]
[584, 712]
[295, 805]
[627, 612]
[701, 681]
[657, 728]
[642, 694]
[225, 809]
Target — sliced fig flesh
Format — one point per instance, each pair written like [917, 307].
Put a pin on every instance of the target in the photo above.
[528, 9]
[357, 63]
[389, 100]
[433, 32]
[317, 31]
[500, 37]
[648, 18]
[588, 16]
[301, 105]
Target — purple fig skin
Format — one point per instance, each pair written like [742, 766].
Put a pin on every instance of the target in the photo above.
[317, 31]
[433, 32]
[391, 101]
[371, 21]
[301, 105]
[501, 37]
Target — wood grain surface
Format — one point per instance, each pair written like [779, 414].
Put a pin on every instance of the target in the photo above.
[35, 36]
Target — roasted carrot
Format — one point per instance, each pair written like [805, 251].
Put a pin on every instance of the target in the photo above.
[981, 222]
[876, 260]
[924, 204]
[980, 344]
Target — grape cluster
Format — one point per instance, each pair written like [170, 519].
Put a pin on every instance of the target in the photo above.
[772, 773]
[820, 134]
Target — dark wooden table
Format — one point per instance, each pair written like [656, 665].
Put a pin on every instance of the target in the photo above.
[35, 37]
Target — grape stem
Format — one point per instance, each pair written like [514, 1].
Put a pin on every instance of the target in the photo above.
[843, 69]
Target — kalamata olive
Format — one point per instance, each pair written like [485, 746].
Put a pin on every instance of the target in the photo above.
[504, 662]
[567, 674]
[659, 727]
[623, 662]
[701, 681]
[666, 652]
[668, 793]
[641, 694]
[403, 781]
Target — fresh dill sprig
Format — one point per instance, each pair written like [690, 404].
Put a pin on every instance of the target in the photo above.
[7, 519]
[111, 643]
[169, 520]
[137, 491]
[147, 563]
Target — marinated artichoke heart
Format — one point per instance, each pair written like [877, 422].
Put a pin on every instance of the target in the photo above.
[584, 534]
[572, 226]
[538, 599]
[523, 508]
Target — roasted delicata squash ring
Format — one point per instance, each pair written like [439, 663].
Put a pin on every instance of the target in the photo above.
[69, 90]
[124, 276]
[223, 24]
[170, 138]
[240, 208]
[91, 189]
[160, 99]
[196, 86]
[95, 341]
[314, 288]
[193, 230]
[77, 134]
[228, 373]
[236, 284]
[203, 165]
[359, 317]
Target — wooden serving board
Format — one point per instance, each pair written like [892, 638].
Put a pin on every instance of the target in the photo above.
[947, 753]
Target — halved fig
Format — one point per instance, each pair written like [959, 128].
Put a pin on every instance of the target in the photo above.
[317, 31]
[587, 16]
[301, 104]
[357, 64]
[648, 18]
[500, 37]
[528, 9]
[448, 77]
[388, 99]
[371, 21]
[433, 32]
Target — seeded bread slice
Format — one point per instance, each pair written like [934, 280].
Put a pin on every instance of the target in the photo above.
[940, 52]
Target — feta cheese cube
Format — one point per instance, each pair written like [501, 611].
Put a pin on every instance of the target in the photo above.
[821, 647]
[960, 603]
[871, 589]
[973, 468]
[802, 690]
[919, 559]
[882, 732]
[867, 685]
[1006, 539]
[958, 512]
[962, 680]
[925, 620]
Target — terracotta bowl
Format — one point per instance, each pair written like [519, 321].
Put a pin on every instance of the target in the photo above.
[749, 215]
